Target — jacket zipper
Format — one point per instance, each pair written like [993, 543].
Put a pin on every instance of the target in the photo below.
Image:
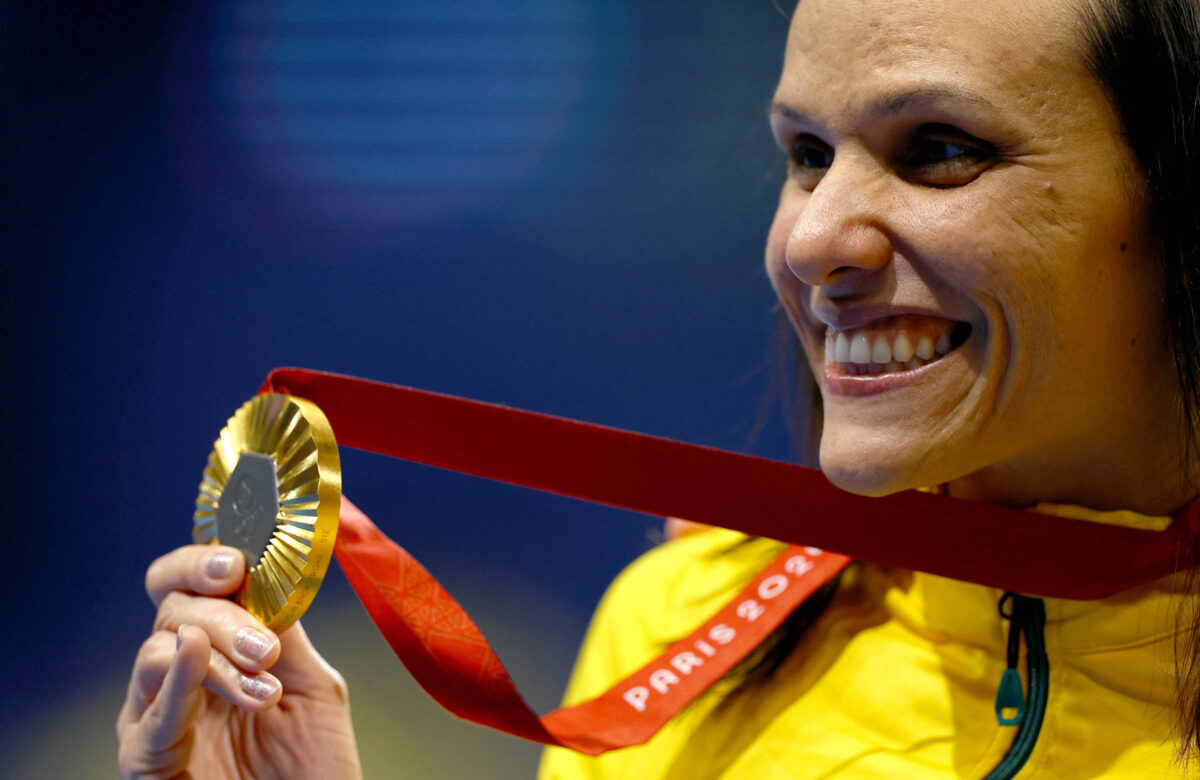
[1028, 617]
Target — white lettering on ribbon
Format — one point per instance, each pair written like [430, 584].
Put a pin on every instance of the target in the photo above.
[749, 610]
[662, 679]
[798, 566]
[686, 661]
[772, 586]
[636, 697]
[722, 634]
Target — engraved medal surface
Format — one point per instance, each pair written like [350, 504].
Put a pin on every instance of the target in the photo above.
[247, 510]
[272, 488]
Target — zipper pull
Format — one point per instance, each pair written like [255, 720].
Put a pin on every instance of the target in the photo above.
[1010, 695]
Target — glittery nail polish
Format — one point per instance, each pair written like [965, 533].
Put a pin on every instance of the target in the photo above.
[217, 565]
[259, 687]
[252, 644]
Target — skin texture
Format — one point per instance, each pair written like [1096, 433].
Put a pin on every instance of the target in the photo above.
[187, 714]
[957, 160]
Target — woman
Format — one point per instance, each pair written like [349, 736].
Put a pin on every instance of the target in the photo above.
[984, 206]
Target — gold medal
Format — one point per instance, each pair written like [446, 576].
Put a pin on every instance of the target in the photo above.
[272, 488]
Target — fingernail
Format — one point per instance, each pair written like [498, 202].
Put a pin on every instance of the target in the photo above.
[218, 564]
[179, 637]
[252, 644]
[261, 688]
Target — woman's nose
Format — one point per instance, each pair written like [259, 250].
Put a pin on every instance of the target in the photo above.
[837, 240]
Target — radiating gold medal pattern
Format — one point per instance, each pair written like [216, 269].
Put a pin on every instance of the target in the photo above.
[283, 576]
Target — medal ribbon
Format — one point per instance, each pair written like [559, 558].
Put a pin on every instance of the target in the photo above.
[1025, 552]
[450, 658]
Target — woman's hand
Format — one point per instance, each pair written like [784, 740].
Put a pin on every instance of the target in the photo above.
[201, 700]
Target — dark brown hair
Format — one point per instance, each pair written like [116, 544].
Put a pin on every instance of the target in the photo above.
[1146, 56]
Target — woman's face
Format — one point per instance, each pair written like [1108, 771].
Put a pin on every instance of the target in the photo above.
[960, 246]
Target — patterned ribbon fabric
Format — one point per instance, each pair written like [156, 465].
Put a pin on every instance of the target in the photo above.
[1024, 552]
[449, 657]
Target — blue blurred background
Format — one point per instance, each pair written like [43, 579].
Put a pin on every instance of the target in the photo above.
[553, 205]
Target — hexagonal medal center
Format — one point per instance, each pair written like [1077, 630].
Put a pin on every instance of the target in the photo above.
[249, 506]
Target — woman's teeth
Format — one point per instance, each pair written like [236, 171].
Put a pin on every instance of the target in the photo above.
[875, 349]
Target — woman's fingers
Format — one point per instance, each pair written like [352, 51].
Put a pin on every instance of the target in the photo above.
[254, 691]
[210, 570]
[182, 584]
[154, 726]
[233, 631]
[169, 666]
[167, 718]
[149, 669]
[205, 665]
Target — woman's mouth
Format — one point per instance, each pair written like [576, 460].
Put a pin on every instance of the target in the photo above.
[892, 345]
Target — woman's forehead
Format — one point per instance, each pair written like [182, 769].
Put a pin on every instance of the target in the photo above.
[888, 23]
[859, 54]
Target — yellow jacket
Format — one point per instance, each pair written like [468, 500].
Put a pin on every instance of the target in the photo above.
[897, 678]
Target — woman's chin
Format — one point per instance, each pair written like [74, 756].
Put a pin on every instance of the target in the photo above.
[869, 475]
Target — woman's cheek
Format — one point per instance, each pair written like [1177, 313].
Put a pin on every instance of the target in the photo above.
[776, 258]
[792, 294]
[791, 204]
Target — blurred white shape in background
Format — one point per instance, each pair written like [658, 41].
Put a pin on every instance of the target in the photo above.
[376, 114]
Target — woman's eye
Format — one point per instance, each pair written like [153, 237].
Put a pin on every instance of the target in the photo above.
[944, 157]
[809, 157]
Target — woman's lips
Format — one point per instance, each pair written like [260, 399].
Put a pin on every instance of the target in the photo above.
[888, 352]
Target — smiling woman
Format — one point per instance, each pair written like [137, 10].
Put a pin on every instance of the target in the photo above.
[1004, 202]
[985, 245]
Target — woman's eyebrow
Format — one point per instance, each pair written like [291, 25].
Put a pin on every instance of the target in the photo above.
[897, 101]
[776, 108]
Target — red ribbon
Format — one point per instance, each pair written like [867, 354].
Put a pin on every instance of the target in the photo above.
[1025, 552]
[448, 656]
